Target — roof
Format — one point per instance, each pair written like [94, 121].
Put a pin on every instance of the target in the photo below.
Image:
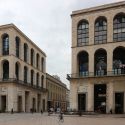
[18, 30]
[98, 8]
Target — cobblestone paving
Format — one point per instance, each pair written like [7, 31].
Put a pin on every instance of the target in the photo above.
[44, 119]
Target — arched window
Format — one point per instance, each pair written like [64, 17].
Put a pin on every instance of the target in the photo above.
[42, 64]
[83, 33]
[37, 79]
[5, 70]
[25, 52]
[100, 62]
[83, 63]
[37, 60]
[17, 70]
[42, 81]
[119, 27]
[32, 57]
[5, 41]
[119, 60]
[17, 46]
[32, 77]
[101, 30]
[25, 74]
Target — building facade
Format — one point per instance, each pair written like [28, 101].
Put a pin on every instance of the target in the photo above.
[22, 72]
[97, 78]
[56, 93]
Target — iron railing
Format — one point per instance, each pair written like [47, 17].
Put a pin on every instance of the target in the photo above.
[20, 82]
[97, 74]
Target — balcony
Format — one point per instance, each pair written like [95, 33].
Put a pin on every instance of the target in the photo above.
[16, 81]
[116, 72]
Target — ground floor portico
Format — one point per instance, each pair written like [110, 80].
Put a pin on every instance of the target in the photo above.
[21, 99]
[103, 94]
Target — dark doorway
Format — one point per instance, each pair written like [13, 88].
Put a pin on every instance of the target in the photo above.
[3, 103]
[19, 103]
[119, 103]
[43, 104]
[100, 98]
[34, 104]
[81, 102]
[26, 101]
[38, 102]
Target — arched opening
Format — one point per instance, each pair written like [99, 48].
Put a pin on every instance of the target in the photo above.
[32, 57]
[83, 63]
[100, 62]
[37, 60]
[32, 77]
[25, 74]
[17, 46]
[25, 52]
[37, 79]
[6, 70]
[100, 30]
[42, 81]
[119, 27]
[119, 60]
[5, 43]
[17, 70]
[42, 64]
[83, 33]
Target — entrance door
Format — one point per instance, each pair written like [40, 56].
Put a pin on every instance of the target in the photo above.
[26, 101]
[100, 98]
[43, 104]
[19, 103]
[3, 103]
[119, 103]
[81, 102]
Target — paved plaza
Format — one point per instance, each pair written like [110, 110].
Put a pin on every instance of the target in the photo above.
[44, 119]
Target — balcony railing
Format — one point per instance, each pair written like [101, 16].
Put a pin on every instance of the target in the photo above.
[20, 82]
[117, 72]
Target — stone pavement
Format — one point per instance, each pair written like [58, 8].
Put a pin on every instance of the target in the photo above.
[44, 119]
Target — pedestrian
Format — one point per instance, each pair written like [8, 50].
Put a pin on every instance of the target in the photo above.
[41, 111]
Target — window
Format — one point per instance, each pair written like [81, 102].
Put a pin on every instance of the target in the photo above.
[17, 71]
[25, 52]
[37, 60]
[37, 79]
[32, 76]
[100, 30]
[17, 46]
[25, 74]
[5, 41]
[83, 33]
[42, 81]
[119, 28]
[32, 57]
[42, 64]
[6, 70]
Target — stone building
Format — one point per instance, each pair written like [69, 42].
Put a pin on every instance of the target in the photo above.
[98, 59]
[22, 72]
[56, 92]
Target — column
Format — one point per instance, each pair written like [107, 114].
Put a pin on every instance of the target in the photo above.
[109, 97]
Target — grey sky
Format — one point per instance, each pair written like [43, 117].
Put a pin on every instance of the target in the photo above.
[48, 24]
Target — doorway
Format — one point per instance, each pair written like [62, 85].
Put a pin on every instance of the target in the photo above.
[3, 103]
[19, 103]
[119, 103]
[100, 98]
[81, 102]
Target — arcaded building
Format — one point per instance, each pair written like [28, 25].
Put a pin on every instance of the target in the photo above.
[57, 91]
[22, 72]
[97, 78]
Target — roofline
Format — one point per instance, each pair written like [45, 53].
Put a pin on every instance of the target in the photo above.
[18, 30]
[97, 8]
[62, 84]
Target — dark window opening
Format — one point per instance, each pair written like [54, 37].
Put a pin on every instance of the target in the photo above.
[17, 46]
[83, 33]
[6, 70]
[25, 74]
[100, 31]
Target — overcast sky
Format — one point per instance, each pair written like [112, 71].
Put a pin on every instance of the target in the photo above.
[48, 24]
